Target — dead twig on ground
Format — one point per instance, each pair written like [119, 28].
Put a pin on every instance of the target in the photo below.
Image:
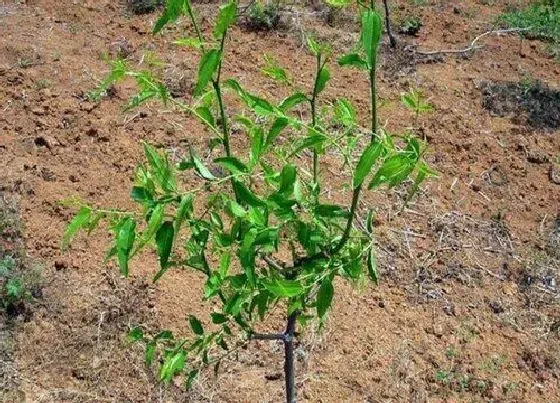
[472, 46]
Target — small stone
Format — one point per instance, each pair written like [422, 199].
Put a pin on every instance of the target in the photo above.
[537, 157]
[73, 178]
[272, 376]
[554, 174]
[60, 264]
[38, 111]
[496, 307]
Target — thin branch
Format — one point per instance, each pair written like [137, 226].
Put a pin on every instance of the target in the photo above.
[473, 43]
[268, 336]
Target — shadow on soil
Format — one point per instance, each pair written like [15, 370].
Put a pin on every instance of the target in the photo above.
[532, 101]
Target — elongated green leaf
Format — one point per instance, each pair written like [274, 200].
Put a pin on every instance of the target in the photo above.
[367, 160]
[236, 209]
[184, 211]
[312, 141]
[247, 256]
[371, 33]
[200, 167]
[283, 288]
[164, 245]
[287, 179]
[322, 79]
[226, 17]
[172, 365]
[257, 145]
[394, 170]
[324, 297]
[80, 220]
[232, 164]
[331, 211]
[345, 112]
[173, 9]
[154, 222]
[372, 266]
[259, 105]
[208, 64]
[276, 128]
[125, 240]
[205, 115]
[293, 100]
[245, 196]
[150, 353]
[218, 318]
[273, 70]
[160, 168]
[353, 59]
[196, 326]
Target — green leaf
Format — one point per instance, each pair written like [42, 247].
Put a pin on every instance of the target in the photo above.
[312, 141]
[173, 9]
[257, 145]
[324, 297]
[80, 220]
[208, 64]
[193, 374]
[287, 179]
[226, 17]
[236, 209]
[196, 326]
[394, 170]
[274, 71]
[313, 45]
[225, 261]
[245, 196]
[293, 100]
[218, 318]
[141, 195]
[189, 42]
[172, 365]
[367, 160]
[372, 266]
[371, 33]
[205, 115]
[150, 353]
[338, 3]
[200, 167]
[345, 112]
[331, 211]
[125, 240]
[369, 221]
[184, 211]
[247, 256]
[259, 105]
[353, 59]
[154, 222]
[134, 335]
[14, 289]
[160, 168]
[283, 288]
[232, 164]
[164, 245]
[322, 79]
[276, 128]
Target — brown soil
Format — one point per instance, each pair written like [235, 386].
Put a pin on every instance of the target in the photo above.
[468, 306]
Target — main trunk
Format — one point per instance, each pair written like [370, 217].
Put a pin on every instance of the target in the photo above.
[289, 370]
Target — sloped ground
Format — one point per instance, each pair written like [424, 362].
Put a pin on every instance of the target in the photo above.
[468, 305]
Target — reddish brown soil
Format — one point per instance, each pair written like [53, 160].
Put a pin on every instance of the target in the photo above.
[452, 319]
